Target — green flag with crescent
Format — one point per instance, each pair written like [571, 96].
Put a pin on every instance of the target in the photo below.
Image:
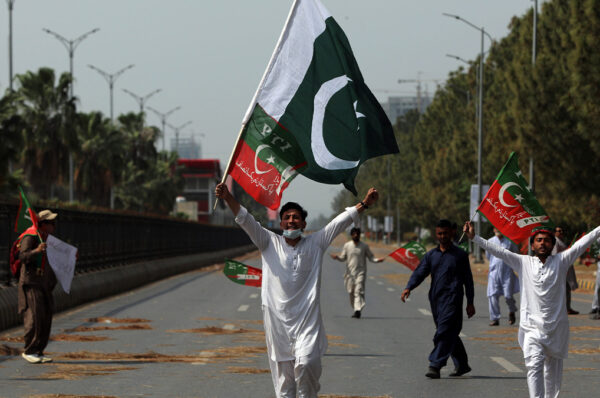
[312, 114]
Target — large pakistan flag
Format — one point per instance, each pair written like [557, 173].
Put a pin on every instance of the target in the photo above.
[312, 113]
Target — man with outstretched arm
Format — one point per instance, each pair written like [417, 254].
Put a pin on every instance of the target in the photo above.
[544, 324]
[291, 265]
[450, 270]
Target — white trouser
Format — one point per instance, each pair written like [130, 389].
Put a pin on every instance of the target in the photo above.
[544, 373]
[495, 306]
[296, 377]
[596, 291]
[355, 286]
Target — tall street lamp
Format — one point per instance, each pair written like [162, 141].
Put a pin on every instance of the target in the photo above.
[177, 129]
[163, 120]
[142, 100]
[10, 4]
[110, 79]
[479, 121]
[71, 45]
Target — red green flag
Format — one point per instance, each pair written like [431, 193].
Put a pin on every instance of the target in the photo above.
[243, 274]
[410, 254]
[510, 205]
[312, 113]
[26, 216]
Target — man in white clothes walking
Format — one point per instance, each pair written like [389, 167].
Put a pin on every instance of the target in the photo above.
[356, 253]
[291, 266]
[544, 323]
[502, 281]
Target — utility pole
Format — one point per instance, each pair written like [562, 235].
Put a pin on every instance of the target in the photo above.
[177, 129]
[142, 100]
[163, 119]
[71, 45]
[110, 79]
[10, 4]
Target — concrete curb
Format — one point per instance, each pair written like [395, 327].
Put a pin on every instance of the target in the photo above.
[99, 284]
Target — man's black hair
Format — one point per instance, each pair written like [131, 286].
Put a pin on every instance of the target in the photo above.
[295, 206]
[444, 224]
[355, 229]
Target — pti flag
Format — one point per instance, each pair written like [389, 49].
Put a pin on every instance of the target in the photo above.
[312, 113]
[511, 206]
[410, 254]
[26, 216]
[242, 273]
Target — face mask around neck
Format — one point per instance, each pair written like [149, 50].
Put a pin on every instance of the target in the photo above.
[292, 233]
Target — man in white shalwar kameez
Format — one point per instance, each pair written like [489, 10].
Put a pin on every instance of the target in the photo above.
[356, 253]
[502, 281]
[544, 323]
[291, 281]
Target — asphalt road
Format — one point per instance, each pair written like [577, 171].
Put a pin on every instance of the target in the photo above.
[200, 335]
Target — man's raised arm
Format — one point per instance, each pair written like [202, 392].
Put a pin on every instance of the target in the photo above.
[222, 192]
[510, 258]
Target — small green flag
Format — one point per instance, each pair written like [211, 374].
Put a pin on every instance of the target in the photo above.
[243, 274]
[26, 216]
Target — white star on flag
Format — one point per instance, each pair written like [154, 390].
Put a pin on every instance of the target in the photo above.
[519, 197]
[271, 159]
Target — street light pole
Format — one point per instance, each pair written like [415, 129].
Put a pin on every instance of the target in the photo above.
[478, 257]
[71, 45]
[177, 130]
[10, 4]
[163, 120]
[110, 79]
[142, 100]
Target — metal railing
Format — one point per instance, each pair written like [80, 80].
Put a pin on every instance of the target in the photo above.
[106, 239]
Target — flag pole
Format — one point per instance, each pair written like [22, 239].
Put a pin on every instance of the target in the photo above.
[260, 86]
[471, 220]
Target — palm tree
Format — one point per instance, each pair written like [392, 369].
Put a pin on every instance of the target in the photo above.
[11, 127]
[48, 111]
[101, 159]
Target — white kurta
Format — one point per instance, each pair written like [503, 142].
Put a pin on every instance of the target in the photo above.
[543, 294]
[502, 281]
[291, 284]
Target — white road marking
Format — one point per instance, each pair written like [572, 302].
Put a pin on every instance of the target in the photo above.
[243, 307]
[391, 289]
[424, 311]
[371, 277]
[461, 334]
[229, 326]
[506, 365]
[379, 282]
[254, 295]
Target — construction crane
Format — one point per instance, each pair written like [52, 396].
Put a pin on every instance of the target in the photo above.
[418, 80]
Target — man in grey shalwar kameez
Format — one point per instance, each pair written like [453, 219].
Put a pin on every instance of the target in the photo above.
[291, 266]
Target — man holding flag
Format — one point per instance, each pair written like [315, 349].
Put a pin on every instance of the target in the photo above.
[36, 282]
[544, 324]
[291, 266]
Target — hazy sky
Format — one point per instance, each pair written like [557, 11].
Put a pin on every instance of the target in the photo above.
[208, 56]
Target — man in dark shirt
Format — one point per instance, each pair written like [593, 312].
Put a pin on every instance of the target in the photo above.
[450, 271]
[36, 282]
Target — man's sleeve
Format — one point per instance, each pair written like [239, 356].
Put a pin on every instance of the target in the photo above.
[512, 259]
[25, 252]
[258, 235]
[369, 254]
[420, 273]
[343, 256]
[337, 225]
[469, 287]
[569, 256]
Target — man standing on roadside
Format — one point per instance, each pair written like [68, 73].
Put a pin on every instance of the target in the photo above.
[36, 282]
[450, 271]
[502, 281]
[544, 323]
[291, 265]
[356, 253]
